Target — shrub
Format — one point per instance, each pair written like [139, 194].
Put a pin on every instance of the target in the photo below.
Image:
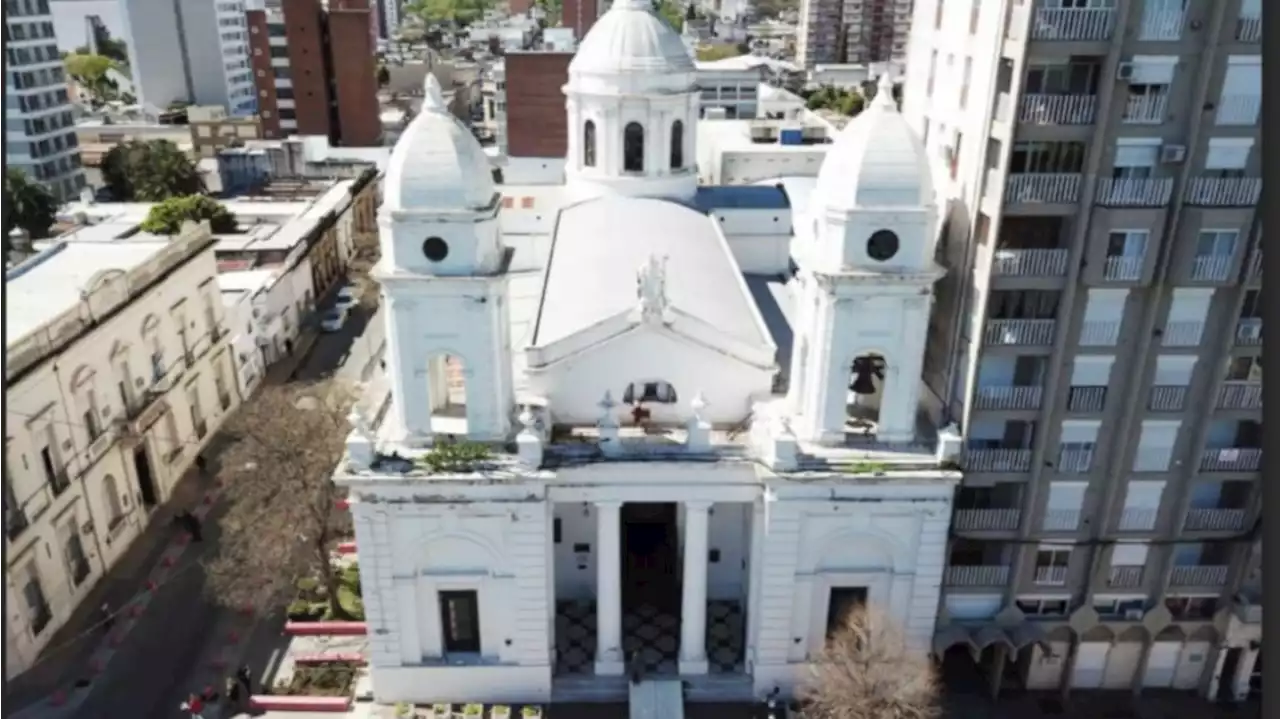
[457, 457]
[166, 218]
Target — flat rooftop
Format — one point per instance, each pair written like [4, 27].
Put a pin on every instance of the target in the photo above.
[50, 284]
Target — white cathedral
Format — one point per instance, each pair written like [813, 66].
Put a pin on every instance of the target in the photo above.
[707, 433]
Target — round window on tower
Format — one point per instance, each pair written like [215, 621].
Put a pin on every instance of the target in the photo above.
[882, 246]
[435, 249]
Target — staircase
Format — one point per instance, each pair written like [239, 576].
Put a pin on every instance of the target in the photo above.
[589, 689]
[657, 699]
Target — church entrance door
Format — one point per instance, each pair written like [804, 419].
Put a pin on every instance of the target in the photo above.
[651, 586]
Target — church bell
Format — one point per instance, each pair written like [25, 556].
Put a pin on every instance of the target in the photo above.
[863, 369]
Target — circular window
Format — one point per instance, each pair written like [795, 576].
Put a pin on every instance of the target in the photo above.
[882, 246]
[435, 249]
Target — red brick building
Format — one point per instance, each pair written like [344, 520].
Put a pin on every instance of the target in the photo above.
[536, 121]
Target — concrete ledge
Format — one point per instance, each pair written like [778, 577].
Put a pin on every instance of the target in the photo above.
[330, 657]
[335, 629]
[461, 684]
[272, 703]
[346, 548]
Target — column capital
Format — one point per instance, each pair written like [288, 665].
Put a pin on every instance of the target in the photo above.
[698, 505]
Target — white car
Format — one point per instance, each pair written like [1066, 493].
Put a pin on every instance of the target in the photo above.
[346, 298]
[334, 319]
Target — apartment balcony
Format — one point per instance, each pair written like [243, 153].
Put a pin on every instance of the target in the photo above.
[1211, 268]
[1198, 576]
[1253, 272]
[1162, 25]
[1061, 520]
[1030, 263]
[997, 460]
[1008, 398]
[1099, 333]
[1072, 24]
[1050, 576]
[1123, 269]
[1231, 459]
[1135, 192]
[1167, 398]
[1044, 188]
[1020, 333]
[1249, 28]
[1224, 191]
[1137, 520]
[987, 520]
[1214, 520]
[1182, 334]
[1249, 331]
[1240, 396]
[1040, 109]
[976, 576]
[1086, 399]
[1075, 461]
[1238, 110]
[1125, 577]
[1146, 109]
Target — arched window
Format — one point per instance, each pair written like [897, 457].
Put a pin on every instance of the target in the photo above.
[677, 144]
[633, 148]
[589, 144]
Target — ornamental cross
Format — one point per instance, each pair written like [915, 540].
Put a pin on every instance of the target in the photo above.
[651, 289]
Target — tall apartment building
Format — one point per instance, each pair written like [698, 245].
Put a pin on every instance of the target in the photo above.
[852, 31]
[316, 71]
[192, 51]
[1106, 346]
[39, 126]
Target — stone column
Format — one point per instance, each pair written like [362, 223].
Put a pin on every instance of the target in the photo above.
[693, 623]
[609, 660]
[411, 395]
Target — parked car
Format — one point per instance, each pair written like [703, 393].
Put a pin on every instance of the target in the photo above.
[334, 319]
[347, 297]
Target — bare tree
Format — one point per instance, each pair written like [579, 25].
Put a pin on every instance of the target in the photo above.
[867, 671]
[283, 519]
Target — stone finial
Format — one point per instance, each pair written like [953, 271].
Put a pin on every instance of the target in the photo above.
[432, 94]
[359, 423]
[699, 429]
[651, 289]
[698, 405]
[884, 92]
[529, 445]
[607, 405]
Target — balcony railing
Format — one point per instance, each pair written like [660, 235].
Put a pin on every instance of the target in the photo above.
[1125, 577]
[1010, 398]
[1231, 459]
[1061, 520]
[1099, 333]
[1224, 191]
[1198, 576]
[1249, 28]
[1137, 520]
[1040, 109]
[977, 576]
[1254, 271]
[1249, 331]
[1135, 191]
[1146, 109]
[1214, 520]
[1075, 461]
[1167, 398]
[998, 460]
[1152, 460]
[1238, 110]
[1086, 399]
[1072, 23]
[1051, 576]
[1123, 269]
[1182, 334]
[1211, 268]
[1030, 263]
[1051, 188]
[1161, 25]
[1023, 333]
[1240, 396]
[987, 520]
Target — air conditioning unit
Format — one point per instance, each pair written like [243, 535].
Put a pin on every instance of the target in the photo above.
[1171, 154]
[1125, 70]
[1133, 615]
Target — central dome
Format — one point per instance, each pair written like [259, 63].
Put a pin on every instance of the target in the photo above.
[631, 39]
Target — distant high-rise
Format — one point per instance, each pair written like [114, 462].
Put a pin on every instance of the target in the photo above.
[852, 31]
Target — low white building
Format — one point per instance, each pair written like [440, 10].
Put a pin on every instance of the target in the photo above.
[117, 373]
[694, 484]
[745, 152]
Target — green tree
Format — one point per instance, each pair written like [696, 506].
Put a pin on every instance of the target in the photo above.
[166, 218]
[838, 99]
[90, 71]
[672, 12]
[459, 12]
[149, 171]
[554, 10]
[27, 204]
[711, 53]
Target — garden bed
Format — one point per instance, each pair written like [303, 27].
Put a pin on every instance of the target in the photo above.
[311, 603]
[330, 679]
[469, 711]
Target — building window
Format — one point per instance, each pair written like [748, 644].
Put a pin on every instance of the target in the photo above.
[460, 622]
[38, 612]
[589, 144]
[842, 602]
[633, 148]
[677, 145]
[660, 392]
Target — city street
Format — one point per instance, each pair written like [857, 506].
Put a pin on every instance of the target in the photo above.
[167, 653]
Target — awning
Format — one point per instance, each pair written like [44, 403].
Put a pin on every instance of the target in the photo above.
[948, 637]
[987, 636]
[1028, 633]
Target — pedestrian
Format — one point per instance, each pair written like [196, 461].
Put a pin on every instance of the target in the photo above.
[246, 679]
[106, 617]
[233, 692]
[193, 706]
[191, 523]
[202, 466]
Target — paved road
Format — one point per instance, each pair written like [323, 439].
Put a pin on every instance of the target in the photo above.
[168, 657]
